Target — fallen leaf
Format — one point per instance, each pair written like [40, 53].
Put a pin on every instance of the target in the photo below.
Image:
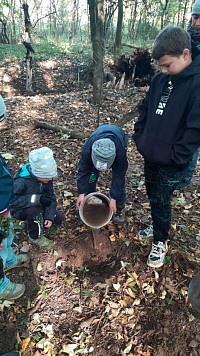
[39, 267]
[7, 156]
[25, 344]
[117, 286]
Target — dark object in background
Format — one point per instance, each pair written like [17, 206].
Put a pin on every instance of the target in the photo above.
[14, 353]
[2, 236]
[194, 292]
[138, 67]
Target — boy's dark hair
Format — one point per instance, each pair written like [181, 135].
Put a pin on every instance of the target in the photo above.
[171, 40]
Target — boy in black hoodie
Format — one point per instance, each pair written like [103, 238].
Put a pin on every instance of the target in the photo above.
[167, 132]
[194, 31]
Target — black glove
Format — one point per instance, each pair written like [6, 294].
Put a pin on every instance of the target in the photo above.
[45, 201]
[2, 236]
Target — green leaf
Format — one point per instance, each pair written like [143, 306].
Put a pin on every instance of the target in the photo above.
[87, 292]
[37, 337]
[167, 260]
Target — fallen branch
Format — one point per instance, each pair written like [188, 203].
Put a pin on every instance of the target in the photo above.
[79, 134]
[56, 128]
[127, 117]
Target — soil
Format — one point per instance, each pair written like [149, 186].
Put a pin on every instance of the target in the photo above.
[92, 293]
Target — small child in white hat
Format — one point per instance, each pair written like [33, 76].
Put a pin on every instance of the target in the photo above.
[34, 197]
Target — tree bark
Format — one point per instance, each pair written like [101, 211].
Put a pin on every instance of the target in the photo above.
[30, 51]
[118, 38]
[97, 37]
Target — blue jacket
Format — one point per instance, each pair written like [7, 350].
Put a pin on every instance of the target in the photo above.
[6, 186]
[119, 166]
[25, 186]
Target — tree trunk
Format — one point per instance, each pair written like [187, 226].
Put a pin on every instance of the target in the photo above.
[13, 11]
[118, 38]
[30, 51]
[97, 37]
[4, 37]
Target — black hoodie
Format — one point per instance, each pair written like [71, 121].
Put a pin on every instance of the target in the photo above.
[168, 128]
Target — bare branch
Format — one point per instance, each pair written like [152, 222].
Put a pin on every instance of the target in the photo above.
[51, 13]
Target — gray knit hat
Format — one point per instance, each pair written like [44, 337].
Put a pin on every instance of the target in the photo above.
[2, 109]
[196, 8]
[103, 153]
[42, 163]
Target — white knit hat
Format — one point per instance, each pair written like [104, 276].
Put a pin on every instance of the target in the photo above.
[2, 109]
[196, 8]
[42, 163]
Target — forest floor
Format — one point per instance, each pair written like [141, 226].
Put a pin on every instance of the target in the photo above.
[83, 299]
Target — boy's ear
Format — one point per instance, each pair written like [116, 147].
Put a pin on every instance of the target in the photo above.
[186, 53]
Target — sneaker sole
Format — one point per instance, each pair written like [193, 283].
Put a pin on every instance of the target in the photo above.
[118, 222]
[149, 237]
[14, 298]
[150, 264]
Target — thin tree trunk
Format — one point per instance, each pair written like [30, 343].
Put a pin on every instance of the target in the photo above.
[97, 37]
[30, 51]
[118, 38]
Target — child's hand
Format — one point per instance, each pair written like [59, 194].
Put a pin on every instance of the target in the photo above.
[79, 201]
[1, 246]
[47, 223]
[113, 207]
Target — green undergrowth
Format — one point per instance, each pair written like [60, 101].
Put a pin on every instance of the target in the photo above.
[12, 52]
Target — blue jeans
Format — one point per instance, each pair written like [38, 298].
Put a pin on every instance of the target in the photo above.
[7, 255]
[160, 183]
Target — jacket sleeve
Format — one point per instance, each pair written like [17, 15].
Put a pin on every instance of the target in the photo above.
[189, 142]
[50, 211]
[143, 110]
[6, 186]
[85, 168]
[119, 169]
[23, 199]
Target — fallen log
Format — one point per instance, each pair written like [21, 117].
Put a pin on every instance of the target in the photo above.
[80, 134]
[127, 117]
[72, 134]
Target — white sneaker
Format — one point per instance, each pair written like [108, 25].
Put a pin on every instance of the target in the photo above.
[157, 254]
[146, 233]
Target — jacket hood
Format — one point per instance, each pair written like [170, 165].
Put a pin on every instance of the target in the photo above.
[24, 171]
[191, 70]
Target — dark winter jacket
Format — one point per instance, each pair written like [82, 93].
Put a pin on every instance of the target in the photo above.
[6, 186]
[168, 129]
[119, 166]
[28, 191]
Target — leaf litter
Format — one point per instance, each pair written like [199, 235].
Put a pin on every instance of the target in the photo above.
[104, 300]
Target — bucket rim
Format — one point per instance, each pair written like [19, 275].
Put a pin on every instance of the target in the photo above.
[82, 206]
